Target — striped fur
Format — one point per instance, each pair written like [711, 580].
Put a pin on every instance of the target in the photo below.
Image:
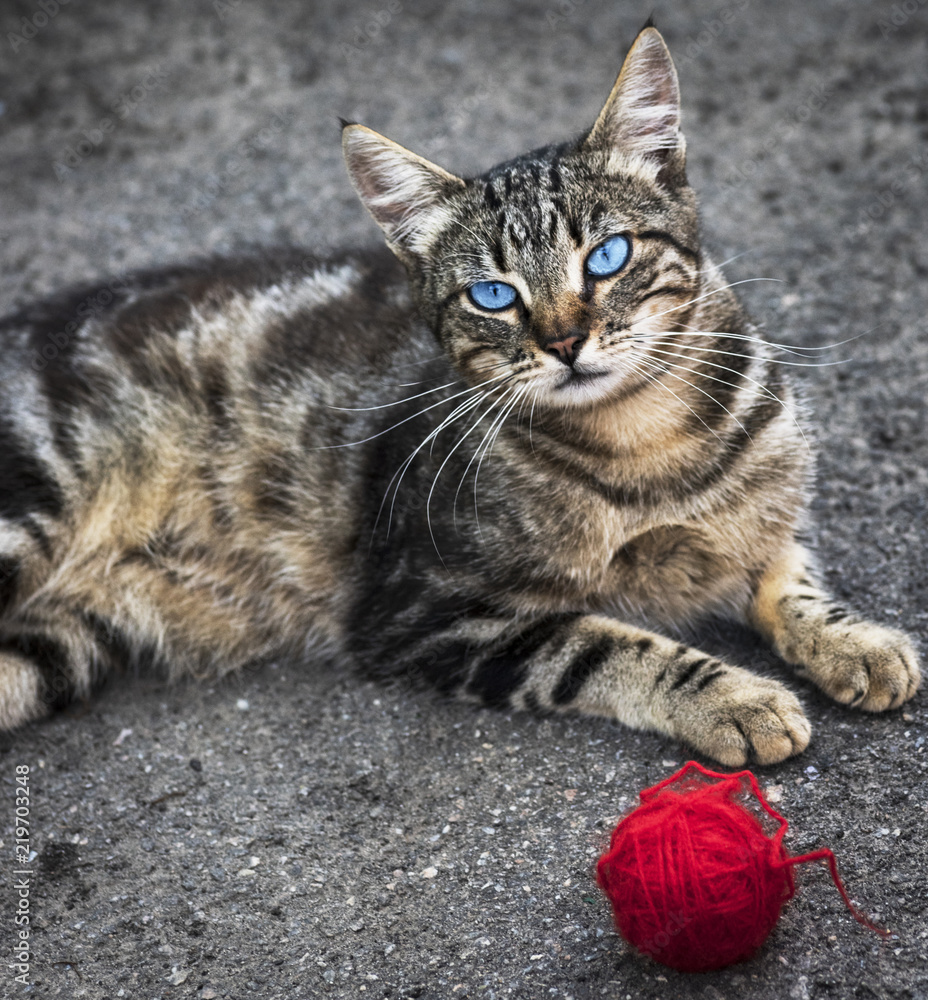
[207, 466]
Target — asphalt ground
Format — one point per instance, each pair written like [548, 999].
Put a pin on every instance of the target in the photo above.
[294, 832]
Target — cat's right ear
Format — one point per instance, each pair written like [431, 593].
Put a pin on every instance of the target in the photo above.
[641, 119]
[405, 193]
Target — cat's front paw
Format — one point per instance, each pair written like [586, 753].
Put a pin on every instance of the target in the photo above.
[864, 665]
[749, 720]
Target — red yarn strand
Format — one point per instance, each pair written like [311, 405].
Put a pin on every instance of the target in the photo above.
[827, 855]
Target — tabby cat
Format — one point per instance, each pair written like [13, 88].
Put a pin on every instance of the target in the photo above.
[491, 460]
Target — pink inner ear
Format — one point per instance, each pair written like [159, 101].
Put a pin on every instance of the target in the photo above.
[371, 179]
[368, 179]
[657, 110]
[396, 186]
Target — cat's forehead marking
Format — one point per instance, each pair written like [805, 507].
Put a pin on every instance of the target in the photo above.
[525, 209]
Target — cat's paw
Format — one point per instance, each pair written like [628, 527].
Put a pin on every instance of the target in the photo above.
[864, 665]
[750, 720]
[20, 691]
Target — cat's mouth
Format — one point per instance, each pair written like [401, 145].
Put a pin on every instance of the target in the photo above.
[586, 386]
[575, 377]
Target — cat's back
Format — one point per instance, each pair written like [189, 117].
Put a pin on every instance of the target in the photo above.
[215, 347]
[203, 409]
[280, 309]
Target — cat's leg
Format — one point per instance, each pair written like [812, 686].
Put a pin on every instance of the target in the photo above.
[597, 665]
[52, 648]
[46, 661]
[30, 681]
[854, 661]
[92, 612]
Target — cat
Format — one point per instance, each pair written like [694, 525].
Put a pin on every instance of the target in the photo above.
[492, 456]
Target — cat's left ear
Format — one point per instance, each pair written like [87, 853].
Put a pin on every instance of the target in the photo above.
[641, 118]
[405, 193]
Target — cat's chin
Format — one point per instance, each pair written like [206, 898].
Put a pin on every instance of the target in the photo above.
[588, 387]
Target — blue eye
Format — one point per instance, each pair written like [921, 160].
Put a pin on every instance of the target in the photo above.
[609, 257]
[492, 295]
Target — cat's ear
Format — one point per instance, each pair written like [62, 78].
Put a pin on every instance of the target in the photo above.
[405, 193]
[641, 118]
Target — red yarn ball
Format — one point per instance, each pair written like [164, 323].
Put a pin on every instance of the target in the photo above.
[694, 879]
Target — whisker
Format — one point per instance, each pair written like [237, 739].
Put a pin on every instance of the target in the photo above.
[709, 294]
[794, 348]
[418, 413]
[656, 381]
[735, 354]
[531, 414]
[724, 263]
[480, 239]
[470, 256]
[522, 411]
[460, 410]
[501, 364]
[523, 391]
[406, 385]
[765, 391]
[477, 450]
[505, 363]
[397, 402]
[457, 445]
[477, 422]
[692, 331]
[713, 364]
[418, 395]
[498, 425]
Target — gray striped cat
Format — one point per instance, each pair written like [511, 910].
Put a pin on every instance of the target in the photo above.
[492, 460]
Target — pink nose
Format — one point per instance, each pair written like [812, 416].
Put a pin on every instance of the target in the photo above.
[565, 348]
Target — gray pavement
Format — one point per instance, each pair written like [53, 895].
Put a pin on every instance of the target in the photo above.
[294, 832]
